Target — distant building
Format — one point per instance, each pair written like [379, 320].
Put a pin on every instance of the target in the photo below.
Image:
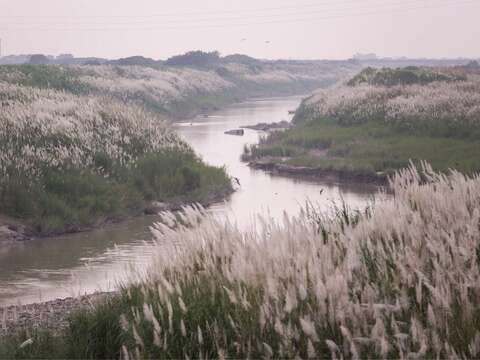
[365, 57]
[65, 57]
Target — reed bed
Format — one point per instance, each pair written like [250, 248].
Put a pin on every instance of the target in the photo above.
[398, 280]
[448, 105]
[379, 120]
[151, 86]
[41, 128]
[69, 161]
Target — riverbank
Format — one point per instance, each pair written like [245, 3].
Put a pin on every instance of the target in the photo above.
[278, 166]
[379, 122]
[73, 162]
[13, 231]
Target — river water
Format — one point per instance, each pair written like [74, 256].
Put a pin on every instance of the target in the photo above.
[82, 263]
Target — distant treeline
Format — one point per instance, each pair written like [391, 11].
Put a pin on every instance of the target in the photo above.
[210, 59]
[191, 58]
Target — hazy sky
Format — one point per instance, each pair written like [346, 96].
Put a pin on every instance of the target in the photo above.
[306, 29]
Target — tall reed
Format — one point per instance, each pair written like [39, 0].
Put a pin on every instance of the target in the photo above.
[399, 280]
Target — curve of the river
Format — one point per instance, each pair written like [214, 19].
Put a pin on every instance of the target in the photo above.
[46, 269]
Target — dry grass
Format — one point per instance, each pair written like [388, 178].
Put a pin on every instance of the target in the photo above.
[438, 108]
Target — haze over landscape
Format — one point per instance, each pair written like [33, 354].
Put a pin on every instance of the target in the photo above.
[267, 29]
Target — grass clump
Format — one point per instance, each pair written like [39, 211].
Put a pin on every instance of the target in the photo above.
[396, 280]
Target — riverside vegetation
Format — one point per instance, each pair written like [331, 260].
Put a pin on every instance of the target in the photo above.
[381, 119]
[182, 86]
[397, 280]
[69, 161]
[83, 144]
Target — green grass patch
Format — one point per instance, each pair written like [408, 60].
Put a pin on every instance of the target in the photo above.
[368, 147]
[68, 199]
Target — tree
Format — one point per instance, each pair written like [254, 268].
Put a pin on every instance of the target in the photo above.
[38, 59]
[195, 58]
[472, 65]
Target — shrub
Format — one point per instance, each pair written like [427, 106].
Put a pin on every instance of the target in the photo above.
[195, 58]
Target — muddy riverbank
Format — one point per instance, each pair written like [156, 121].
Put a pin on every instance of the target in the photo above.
[13, 231]
[321, 174]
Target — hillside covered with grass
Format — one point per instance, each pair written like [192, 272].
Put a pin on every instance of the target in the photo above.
[380, 120]
[397, 280]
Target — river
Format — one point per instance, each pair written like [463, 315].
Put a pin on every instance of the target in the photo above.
[82, 263]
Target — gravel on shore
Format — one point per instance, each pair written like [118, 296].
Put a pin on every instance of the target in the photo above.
[52, 315]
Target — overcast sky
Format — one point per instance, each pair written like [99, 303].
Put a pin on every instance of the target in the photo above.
[308, 29]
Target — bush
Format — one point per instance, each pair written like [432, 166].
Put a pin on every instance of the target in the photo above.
[194, 58]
